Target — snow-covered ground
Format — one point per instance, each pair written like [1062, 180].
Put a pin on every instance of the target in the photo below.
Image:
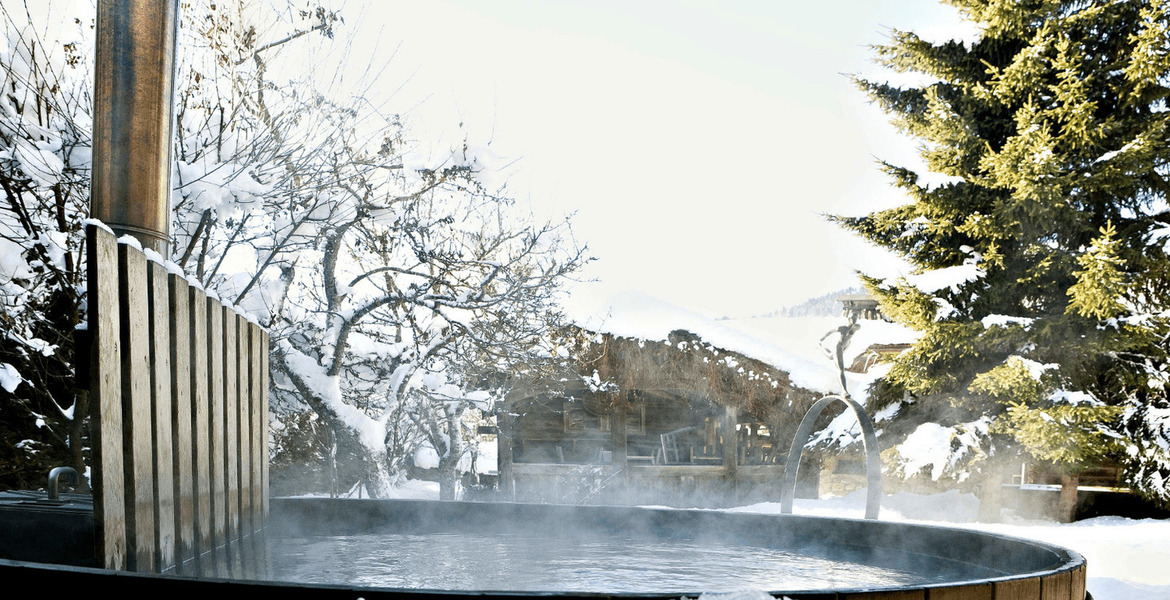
[1128, 558]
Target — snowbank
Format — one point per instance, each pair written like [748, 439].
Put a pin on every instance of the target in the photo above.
[1126, 557]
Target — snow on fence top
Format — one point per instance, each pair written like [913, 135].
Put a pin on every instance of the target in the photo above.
[172, 267]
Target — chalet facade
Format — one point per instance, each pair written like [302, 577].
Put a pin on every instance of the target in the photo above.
[654, 422]
[860, 306]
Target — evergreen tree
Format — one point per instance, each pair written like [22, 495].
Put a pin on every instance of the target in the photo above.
[1042, 288]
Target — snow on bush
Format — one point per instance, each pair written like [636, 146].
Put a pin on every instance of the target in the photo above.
[938, 449]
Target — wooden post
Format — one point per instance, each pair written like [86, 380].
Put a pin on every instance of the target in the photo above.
[753, 444]
[990, 495]
[730, 443]
[138, 438]
[620, 440]
[105, 390]
[160, 371]
[183, 441]
[1066, 511]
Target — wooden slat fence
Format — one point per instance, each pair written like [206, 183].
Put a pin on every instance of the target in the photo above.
[178, 386]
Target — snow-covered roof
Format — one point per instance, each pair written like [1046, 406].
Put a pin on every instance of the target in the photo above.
[793, 344]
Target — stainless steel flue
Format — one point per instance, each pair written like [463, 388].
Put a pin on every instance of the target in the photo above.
[133, 115]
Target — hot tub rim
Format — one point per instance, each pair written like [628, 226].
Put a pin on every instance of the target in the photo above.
[1062, 560]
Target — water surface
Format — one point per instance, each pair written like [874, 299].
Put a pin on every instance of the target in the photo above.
[525, 562]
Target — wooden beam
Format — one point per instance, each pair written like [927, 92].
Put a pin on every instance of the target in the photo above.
[620, 439]
[730, 443]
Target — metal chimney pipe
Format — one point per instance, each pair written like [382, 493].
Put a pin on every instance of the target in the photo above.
[134, 90]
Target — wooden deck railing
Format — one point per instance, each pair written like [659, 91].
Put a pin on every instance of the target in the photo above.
[178, 390]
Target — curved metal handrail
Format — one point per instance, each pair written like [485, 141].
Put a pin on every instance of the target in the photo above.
[873, 465]
[55, 478]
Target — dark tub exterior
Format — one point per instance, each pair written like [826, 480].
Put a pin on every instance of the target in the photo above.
[1021, 569]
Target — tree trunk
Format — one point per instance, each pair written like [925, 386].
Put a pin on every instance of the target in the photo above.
[1066, 510]
[449, 462]
[77, 428]
[378, 482]
[504, 425]
[448, 478]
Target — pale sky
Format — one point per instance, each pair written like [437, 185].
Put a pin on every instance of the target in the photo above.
[695, 142]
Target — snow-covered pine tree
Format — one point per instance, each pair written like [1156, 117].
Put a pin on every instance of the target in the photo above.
[1043, 283]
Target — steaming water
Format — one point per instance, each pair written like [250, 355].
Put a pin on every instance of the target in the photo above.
[524, 562]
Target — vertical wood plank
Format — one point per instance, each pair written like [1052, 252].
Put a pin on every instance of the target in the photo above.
[918, 594]
[1056, 587]
[159, 328]
[243, 357]
[258, 395]
[231, 423]
[200, 425]
[960, 592]
[105, 389]
[1078, 583]
[183, 443]
[264, 426]
[1018, 589]
[216, 432]
[138, 441]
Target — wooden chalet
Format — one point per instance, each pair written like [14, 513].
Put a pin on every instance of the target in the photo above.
[860, 306]
[648, 421]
